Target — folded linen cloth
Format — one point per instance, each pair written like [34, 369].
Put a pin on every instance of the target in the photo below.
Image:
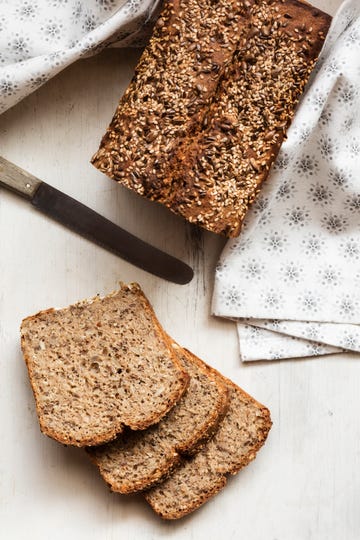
[292, 278]
[40, 38]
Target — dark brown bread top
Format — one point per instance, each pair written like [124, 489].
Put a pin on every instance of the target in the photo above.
[137, 460]
[214, 92]
[240, 435]
[100, 365]
[218, 173]
[174, 82]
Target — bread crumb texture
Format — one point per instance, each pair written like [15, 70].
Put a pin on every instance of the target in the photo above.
[212, 97]
[136, 460]
[100, 365]
[240, 435]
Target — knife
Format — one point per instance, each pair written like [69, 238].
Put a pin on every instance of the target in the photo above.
[91, 225]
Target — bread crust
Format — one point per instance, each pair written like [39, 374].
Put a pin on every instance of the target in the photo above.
[219, 479]
[189, 446]
[203, 159]
[248, 150]
[173, 84]
[218, 484]
[118, 425]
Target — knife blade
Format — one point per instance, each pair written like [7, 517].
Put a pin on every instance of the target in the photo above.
[91, 225]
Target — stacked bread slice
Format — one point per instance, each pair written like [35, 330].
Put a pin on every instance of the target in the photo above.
[209, 105]
[240, 435]
[138, 459]
[100, 365]
[153, 417]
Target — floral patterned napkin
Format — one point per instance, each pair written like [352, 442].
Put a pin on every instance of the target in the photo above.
[292, 278]
[39, 38]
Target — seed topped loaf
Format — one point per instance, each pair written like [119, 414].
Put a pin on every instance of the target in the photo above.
[174, 81]
[100, 365]
[213, 95]
[240, 435]
[137, 460]
[217, 174]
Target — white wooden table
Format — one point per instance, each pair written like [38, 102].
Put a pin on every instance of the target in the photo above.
[304, 484]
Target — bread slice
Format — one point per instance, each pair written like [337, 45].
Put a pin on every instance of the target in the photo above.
[137, 460]
[100, 365]
[213, 95]
[240, 435]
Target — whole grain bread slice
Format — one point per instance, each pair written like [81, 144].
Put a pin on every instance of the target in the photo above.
[100, 365]
[240, 435]
[137, 460]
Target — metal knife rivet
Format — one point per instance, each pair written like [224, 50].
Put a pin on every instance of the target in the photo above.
[28, 186]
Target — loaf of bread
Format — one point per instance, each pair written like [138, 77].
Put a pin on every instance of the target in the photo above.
[100, 365]
[214, 92]
[138, 459]
[218, 173]
[240, 435]
[173, 85]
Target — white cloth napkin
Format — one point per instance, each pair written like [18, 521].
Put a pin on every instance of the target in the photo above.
[40, 38]
[292, 278]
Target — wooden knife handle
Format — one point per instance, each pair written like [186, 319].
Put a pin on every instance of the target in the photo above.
[18, 180]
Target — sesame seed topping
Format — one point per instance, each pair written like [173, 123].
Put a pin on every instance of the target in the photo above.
[211, 100]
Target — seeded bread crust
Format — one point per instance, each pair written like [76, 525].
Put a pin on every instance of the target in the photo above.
[174, 82]
[218, 173]
[213, 95]
[106, 381]
[233, 446]
[137, 460]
